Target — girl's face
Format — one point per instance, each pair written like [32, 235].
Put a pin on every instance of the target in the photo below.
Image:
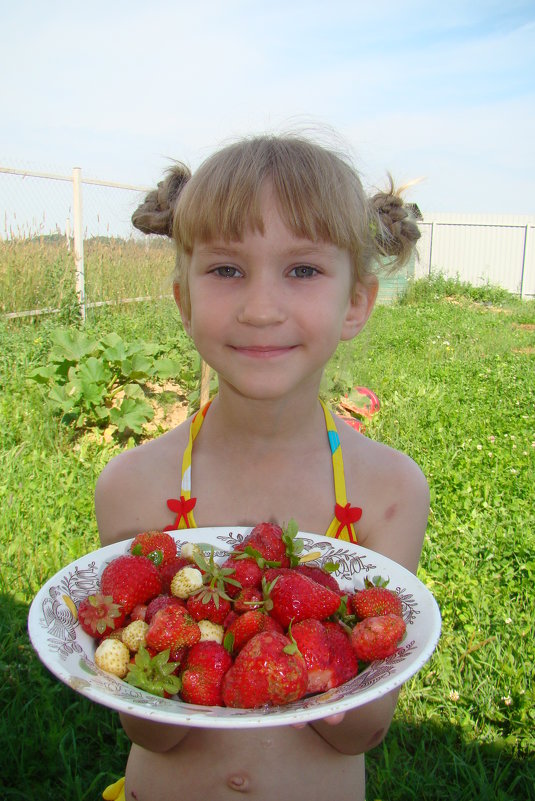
[268, 312]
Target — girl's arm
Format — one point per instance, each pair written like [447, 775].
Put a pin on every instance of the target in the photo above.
[120, 516]
[158, 737]
[399, 536]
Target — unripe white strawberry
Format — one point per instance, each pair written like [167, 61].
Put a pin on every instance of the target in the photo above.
[187, 581]
[113, 656]
[133, 635]
[189, 550]
[211, 631]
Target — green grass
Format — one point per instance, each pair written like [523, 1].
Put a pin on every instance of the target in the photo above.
[453, 366]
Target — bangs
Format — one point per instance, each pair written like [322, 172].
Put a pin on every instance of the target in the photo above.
[320, 196]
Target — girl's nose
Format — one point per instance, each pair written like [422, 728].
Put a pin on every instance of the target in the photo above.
[262, 304]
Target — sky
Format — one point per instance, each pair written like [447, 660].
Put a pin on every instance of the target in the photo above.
[439, 91]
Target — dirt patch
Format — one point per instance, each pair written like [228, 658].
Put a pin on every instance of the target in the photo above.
[525, 326]
[525, 351]
[170, 406]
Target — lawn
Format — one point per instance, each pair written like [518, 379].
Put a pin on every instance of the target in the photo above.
[455, 371]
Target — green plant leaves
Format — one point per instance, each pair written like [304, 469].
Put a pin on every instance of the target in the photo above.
[97, 382]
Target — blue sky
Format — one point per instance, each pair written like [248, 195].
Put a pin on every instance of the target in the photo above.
[443, 91]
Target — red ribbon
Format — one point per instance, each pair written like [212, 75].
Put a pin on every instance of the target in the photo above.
[182, 507]
[346, 515]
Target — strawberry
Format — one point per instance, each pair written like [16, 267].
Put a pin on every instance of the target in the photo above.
[130, 580]
[248, 598]
[377, 637]
[245, 573]
[266, 540]
[311, 638]
[169, 570]
[375, 600]
[320, 575]
[99, 615]
[211, 631]
[207, 604]
[138, 612]
[202, 675]
[133, 635]
[160, 602]
[269, 670]
[244, 627]
[172, 627]
[187, 581]
[158, 546]
[343, 663]
[113, 656]
[296, 597]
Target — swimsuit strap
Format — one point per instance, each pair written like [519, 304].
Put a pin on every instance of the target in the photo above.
[183, 506]
[345, 515]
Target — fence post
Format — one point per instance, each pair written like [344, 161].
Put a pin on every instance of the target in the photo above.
[78, 238]
[431, 247]
[525, 252]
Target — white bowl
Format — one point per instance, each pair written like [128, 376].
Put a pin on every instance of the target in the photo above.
[68, 652]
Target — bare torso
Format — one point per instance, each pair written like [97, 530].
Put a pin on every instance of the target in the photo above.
[282, 763]
[317, 761]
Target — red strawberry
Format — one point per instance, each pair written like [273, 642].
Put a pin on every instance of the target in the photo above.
[207, 604]
[268, 670]
[311, 638]
[244, 627]
[203, 672]
[342, 662]
[321, 576]
[377, 637]
[172, 627]
[296, 597]
[160, 602]
[266, 539]
[248, 598]
[245, 571]
[158, 546]
[374, 600]
[99, 615]
[130, 580]
[138, 612]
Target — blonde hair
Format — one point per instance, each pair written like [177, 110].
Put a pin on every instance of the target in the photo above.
[319, 193]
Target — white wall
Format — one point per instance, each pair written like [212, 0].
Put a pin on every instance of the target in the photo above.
[480, 249]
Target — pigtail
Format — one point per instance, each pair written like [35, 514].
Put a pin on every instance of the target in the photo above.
[156, 213]
[393, 225]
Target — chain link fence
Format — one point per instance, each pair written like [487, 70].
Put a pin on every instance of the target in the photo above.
[69, 240]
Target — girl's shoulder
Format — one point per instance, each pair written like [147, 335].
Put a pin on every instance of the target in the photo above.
[393, 493]
[132, 490]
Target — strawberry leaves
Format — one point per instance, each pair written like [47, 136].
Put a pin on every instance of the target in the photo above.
[153, 674]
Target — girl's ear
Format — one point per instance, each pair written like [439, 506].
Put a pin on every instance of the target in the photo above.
[360, 307]
[185, 317]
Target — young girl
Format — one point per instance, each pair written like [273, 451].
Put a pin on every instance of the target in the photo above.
[276, 243]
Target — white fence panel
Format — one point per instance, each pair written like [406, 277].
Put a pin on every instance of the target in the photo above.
[480, 249]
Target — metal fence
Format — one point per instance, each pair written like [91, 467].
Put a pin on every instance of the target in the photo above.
[479, 249]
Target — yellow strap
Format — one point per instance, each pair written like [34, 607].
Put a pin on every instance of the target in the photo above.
[338, 477]
[185, 484]
[115, 791]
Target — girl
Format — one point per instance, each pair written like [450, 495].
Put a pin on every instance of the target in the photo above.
[276, 243]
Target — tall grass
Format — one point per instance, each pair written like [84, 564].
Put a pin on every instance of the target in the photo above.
[456, 377]
[39, 272]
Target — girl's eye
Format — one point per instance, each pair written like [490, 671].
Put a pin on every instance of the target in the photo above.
[226, 271]
[304, 271]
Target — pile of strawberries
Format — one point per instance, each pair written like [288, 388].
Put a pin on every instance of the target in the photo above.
[262, 628]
